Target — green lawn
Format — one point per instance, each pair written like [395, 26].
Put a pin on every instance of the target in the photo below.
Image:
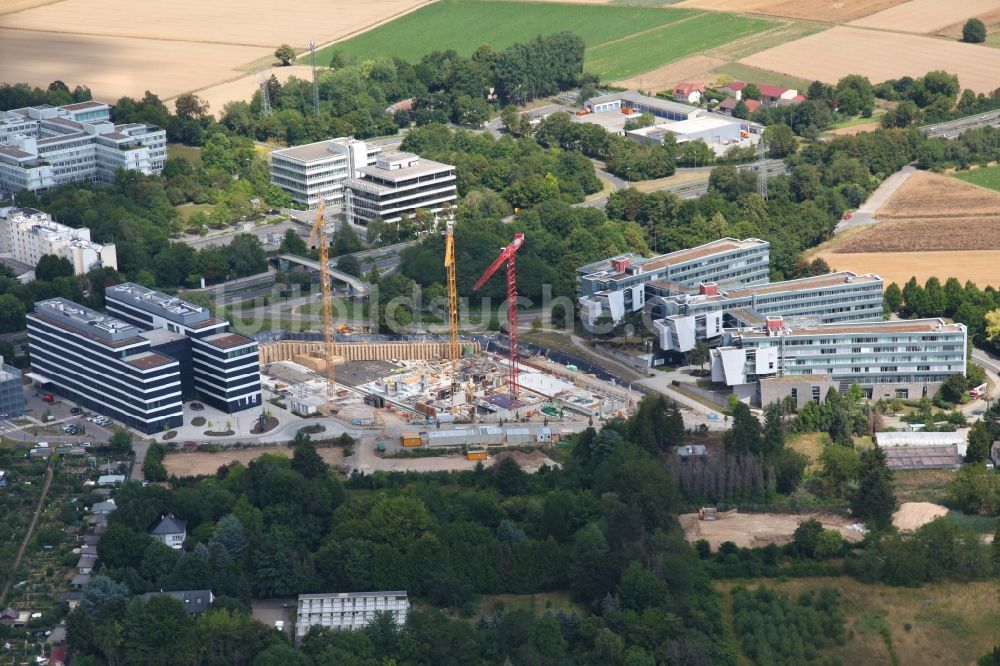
[464, 25]
[651, 49]
[988, 177]
[191, 153]
[755, 74]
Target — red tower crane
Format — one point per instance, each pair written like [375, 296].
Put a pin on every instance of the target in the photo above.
[507, 255]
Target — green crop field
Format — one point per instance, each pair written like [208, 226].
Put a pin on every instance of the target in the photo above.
[621, 40]
[988, 177]
[647, 51]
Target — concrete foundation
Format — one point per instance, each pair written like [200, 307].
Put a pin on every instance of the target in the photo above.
[309, 354]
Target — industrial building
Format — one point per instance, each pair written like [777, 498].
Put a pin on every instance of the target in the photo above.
[348, 610]
[26, 235]
[922, 450]
[319, 170]
[906, 359]
[716, 131]
[45, 146]
[616, 287]
[663, 109]
[397, 185]
[105, 364]
[683, 315]
[218, 367]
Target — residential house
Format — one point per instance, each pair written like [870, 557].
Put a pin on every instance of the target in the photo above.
[689, 93]
[170, 531]
[728, 105]
[86, 564]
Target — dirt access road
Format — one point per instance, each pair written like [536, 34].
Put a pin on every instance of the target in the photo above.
[27, 535]
[755, 530]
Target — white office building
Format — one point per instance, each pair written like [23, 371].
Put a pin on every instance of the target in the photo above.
[616, 287]
[26, 235]
[397, 185]
[319, 170]
[684, 315]
[45, 146]
[888, 359]
[347, 610]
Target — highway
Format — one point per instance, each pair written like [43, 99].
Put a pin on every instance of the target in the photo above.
[954, 128]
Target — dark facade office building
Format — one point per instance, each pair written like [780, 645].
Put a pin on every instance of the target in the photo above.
[105, 364]
[218, 367]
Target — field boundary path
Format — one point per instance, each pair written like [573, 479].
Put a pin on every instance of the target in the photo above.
[865, 214]
[31, 530]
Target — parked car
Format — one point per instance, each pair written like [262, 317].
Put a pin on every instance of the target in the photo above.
[75, 410]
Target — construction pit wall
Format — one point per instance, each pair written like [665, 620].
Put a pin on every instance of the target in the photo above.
[311, 353]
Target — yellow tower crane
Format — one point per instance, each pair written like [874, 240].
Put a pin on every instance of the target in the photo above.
[320, 238]
[454, 351]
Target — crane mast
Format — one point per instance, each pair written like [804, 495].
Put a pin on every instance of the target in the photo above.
[454, 350]
[319, 237]
[508, 256]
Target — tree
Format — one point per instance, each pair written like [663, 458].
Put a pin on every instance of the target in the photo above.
[508, 477]
[285, 53]
[349, 264]
[699, 354]
[953, 389]
[744, 436]
[52, 266]
[230, 535]
[892, 298]
[11, 314]
[246, 255]
[974, 31]
[875, 498]
[840, 465]
[751, 91]
[780, 141]
[774, 428]
[121, 442]
[292, 243]
[993, 325]
[980, 441]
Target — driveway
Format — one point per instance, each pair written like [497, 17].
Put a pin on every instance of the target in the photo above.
[865, 214]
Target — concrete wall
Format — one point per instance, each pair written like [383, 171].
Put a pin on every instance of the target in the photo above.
[287, 350]
[777, 391]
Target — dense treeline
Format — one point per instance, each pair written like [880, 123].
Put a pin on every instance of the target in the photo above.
[774, 630]
[966, 304]
[18, 95]
[602, 528]
[932, 98]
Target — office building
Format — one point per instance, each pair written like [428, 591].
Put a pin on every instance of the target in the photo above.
[616, 287]
[319, 170]
[218, 367]
[888, 359]
[347, 610]
[105, 365]
[26, 235]
[397, 185]
[45, 146]
[11, 391]
[683, 315]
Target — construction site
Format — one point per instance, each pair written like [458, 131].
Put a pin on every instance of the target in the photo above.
[486, 399]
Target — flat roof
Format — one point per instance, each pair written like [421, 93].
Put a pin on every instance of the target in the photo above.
[423, 166]
[352, 595]
[148, 360]
[897, 326]
[156, 302]
[228, 340]
[79, 106]
[635, 97]
[78, 319]
[315, 151]
[706, 250]
[803, 284]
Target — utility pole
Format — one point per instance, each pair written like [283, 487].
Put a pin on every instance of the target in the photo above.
[761, 173]
[265, 95]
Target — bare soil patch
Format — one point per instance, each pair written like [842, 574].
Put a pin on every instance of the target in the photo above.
[926, 15]
[832, 54]
[926, 194]
[199, 464]
[929, 234]
[755, 530]
[694, 68]
[834, 11]
[982, 267]
[912, 515]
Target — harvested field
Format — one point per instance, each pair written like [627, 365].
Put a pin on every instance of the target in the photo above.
[928, 234]
[931, 195]
[912, 515]
[833, 11]
[982, 267]
[167, 47]
[755, 530]
[835, 53]
[198, 463]
[990, 19]
[693, 68]
[926, 15]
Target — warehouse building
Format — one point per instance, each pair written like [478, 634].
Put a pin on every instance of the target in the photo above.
[347, 610]
[397, 185]
[45, 146]
[105, 365]
[715, 131]
[616, 287]
[319, 170]
[217, 366]
[683, 315]
[26, 235]
[663, 109]
[906, 359]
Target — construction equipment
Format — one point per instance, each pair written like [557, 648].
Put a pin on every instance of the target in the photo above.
[319, 237]
[711, 513]
[454, 351]
[508, 255]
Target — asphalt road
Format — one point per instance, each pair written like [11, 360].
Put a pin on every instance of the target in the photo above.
[954, 128]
